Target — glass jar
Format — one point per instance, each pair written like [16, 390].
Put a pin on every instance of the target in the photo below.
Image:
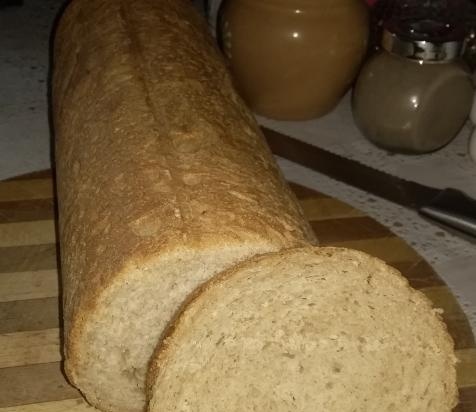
[293, 60]
[411, 105]
[416, 93]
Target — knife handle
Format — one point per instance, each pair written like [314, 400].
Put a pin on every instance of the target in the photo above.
[453, 208]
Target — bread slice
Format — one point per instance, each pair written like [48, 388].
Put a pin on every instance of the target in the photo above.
[312, 329]
[163, 180]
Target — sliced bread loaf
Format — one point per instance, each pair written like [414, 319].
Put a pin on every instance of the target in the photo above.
[313, 329]
[163, 180]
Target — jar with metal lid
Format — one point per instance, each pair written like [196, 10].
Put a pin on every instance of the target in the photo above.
[416, 93]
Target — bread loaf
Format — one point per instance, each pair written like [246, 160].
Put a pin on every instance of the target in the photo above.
[163, 180]
[310, 329]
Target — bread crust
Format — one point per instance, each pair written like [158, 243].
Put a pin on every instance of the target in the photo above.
[154, 150]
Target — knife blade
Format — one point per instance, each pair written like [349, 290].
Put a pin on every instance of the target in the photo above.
[450, 207]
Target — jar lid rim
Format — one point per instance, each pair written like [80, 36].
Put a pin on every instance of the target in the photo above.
[422, 50]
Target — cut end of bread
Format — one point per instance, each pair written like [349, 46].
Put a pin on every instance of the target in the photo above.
[113, 346]
[313, 329]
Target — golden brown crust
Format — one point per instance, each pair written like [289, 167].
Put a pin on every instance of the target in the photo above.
[153, 148]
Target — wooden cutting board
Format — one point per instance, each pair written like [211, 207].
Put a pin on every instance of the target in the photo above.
[31, 378]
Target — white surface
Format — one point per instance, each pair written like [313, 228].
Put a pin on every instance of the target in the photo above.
[24, 132]
[25, 137]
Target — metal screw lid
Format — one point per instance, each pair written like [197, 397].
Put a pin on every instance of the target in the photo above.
[422, 50]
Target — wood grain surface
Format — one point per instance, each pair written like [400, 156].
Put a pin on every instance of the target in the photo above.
[31, 376]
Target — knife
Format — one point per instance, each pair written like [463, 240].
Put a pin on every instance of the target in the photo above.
[450, 207]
